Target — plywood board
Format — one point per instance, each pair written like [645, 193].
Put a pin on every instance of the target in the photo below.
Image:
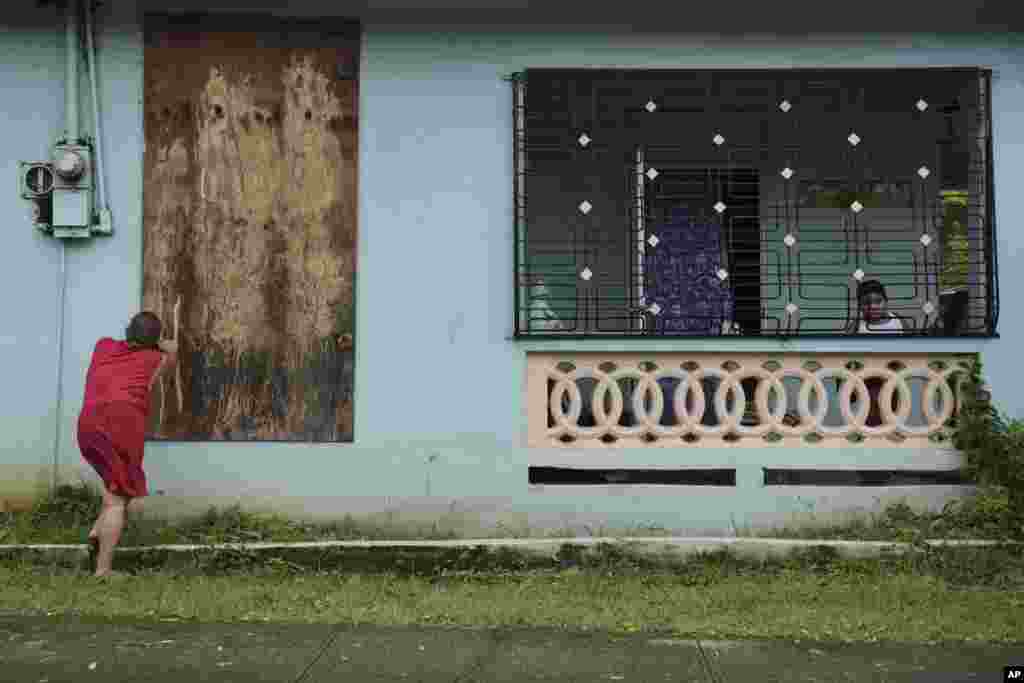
[250, 224]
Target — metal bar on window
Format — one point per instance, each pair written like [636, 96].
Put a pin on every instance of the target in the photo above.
[639, 300]
[992, 250]
[518, 160]
[812, 181]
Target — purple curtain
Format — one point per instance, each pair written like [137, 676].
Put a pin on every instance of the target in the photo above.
[682, 277]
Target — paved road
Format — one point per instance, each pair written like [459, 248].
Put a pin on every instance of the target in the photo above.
[54, 649]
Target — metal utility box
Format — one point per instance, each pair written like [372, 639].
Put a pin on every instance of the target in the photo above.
[35, 183]
[72, 190]
[35, 179]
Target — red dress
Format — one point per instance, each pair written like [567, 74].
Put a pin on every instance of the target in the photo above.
[112, 424]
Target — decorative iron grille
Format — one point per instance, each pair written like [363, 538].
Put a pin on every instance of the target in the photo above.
[705, 202]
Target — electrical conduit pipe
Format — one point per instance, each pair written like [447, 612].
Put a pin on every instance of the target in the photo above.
[72, 133]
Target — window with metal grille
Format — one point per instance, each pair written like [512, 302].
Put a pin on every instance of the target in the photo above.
[710, 202]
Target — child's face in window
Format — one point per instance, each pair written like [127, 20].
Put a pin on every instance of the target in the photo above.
[873, 307]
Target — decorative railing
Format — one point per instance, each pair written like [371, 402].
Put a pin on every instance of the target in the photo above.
[741, 399]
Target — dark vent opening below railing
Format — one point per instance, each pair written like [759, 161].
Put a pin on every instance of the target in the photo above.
[597, 477]
[814, 477]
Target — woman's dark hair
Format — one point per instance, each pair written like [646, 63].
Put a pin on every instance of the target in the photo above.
[144, 330]
[871, 287]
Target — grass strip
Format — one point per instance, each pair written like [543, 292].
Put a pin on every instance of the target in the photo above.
[791, 604]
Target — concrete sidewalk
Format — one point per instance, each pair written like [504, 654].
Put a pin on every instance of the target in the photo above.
[44, 649]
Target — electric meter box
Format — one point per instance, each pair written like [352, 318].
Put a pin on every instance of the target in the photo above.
[35, 179]
[72, 190]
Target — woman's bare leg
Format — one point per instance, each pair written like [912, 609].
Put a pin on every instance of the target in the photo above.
[108, 528]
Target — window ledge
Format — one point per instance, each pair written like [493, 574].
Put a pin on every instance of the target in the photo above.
[845, 344]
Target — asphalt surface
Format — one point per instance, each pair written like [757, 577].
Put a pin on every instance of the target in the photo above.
[50, 649]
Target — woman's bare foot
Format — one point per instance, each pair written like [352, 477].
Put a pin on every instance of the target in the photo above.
[109, 575]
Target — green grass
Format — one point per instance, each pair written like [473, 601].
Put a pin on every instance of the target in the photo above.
[66, 516]
[985, 516]
[928, 595]
[709, 603]
[884, 526]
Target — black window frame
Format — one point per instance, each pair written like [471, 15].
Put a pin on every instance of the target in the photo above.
[642, 84]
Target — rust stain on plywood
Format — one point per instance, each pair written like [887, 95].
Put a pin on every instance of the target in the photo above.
[250, 218]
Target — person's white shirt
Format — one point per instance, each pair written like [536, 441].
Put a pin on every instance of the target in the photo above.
[890, 326]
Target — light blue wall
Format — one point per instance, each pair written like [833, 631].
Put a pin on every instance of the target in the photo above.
[29, 263]
[104, 278]
[439, 418]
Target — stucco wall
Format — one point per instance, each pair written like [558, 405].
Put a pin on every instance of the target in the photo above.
[439, 419]
[104, 278]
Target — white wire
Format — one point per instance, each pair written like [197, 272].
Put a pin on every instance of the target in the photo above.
[58, 420]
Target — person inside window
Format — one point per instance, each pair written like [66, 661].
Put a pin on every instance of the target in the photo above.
[873, 311]
[874, 318]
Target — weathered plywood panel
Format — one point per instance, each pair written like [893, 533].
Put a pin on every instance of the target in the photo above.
[250, 224]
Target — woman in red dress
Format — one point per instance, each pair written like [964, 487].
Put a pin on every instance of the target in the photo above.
[112, 424]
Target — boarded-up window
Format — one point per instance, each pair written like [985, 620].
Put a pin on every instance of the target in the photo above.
[250, 224]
